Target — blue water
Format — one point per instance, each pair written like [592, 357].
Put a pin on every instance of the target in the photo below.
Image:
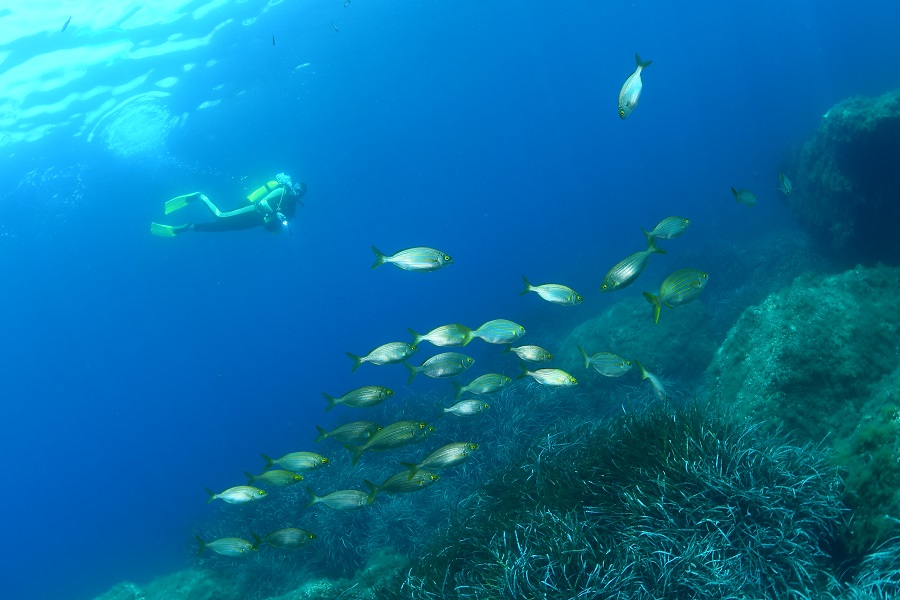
[139, 370]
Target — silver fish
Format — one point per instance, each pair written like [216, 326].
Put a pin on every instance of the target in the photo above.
[530, 353]
[499, 331]
[443, 458]
[668, 228]
[606, 363]
[550, 377]
[626, 271]
[786, 187]
[466, 408]
[658, 389]
[453, 334]
[446, 364]
[744, 196]
[356, 432]
[483, 384]
[228, 546]
[394, 435]
[402, 483]
[341, 499]
[630, 93]
[288, 538]
[368, 395]
[239, 494]
[276, 477]
[297, 461]
[413, 259]
[681, 287]
[386, 354]
[553, 292]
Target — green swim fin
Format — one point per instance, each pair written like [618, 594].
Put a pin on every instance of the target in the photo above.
[179, 202]
[162, 230]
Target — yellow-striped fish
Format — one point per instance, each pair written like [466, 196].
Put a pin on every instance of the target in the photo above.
[393, 436]
[368, 395]
[626, 271]
[276, 477]
[356, 432]
[288, 538]
[483, 384]
[453, 334]
[229, 546]
[681, 287]
[401, 483]
[465, 408]
[550, 377]
[786, 187]
[668, 228]
[443, 458]
[658, 389]
[499, 331]
[386, 354]
[239, 494]
[413, 259]
[744, 196]
[630, 93]
[297, 461]
[606, 363]
[530, 353]
[446, 364]
[553, 292]
[341, 499]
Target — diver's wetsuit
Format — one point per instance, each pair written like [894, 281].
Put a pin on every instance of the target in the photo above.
[280, 199]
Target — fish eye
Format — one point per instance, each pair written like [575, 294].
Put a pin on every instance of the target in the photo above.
[549, 355]
[447, 257]
[390, 392]
[421, 425]
[603, 286]
[485, 405]
[413, 348]
[687, 221]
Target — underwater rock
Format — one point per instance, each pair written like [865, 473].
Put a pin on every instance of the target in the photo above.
[846, 180]
[821, 360]
[680, 343]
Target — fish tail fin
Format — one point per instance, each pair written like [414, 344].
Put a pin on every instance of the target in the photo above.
[524, 369]
[412, 371]
[468, 338]
[649, 237]
[379, 257]
[313, 499]
[441, 411]
[202, 544]
[413, 469]
[587, 359]
[212, 495]
[373, 490]
[735, 193]
[652, 247]
[640, 63]
[357, 360]
[355, 452]
[416, 337]
[322, 434]
[250, 478]
[506, 349]
[457, 389]
[256, 541]
[641, 367]
[527, 286]
[270, 462]
[332, 401]
[654, 300]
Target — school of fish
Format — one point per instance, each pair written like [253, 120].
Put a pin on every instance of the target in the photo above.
[360, 437]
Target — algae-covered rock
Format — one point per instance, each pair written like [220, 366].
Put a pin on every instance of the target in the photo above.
[189, 584]
[847, 180]
[820, 359]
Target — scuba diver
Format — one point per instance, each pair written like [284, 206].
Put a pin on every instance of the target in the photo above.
[271, 205]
